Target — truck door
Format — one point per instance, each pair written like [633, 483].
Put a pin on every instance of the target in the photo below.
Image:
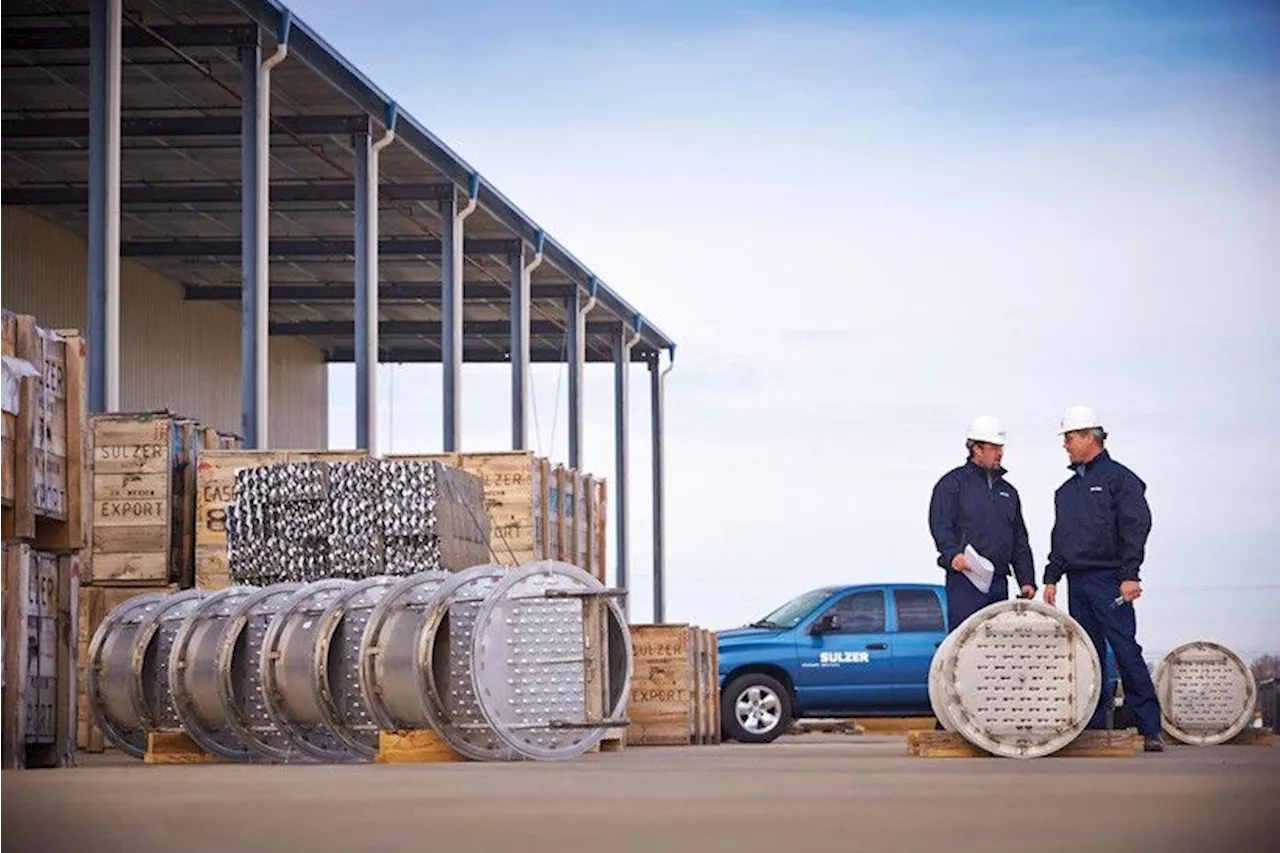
[919, 628]
[848, 668]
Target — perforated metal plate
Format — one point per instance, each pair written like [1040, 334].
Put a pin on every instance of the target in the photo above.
[390, 668]
[1207, 693]
[445, 647]
[1018, 678]
[109, 673]
[288, 671]
[539, 658]
[337, 664]
[194, 677]
[240, 675]
[151, 653]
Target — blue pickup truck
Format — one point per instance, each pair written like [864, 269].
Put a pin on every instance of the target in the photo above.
[837, 651]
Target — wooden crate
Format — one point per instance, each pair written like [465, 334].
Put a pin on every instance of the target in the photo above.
[538, 511]
[215, 481]
[675, 694]
[41, 591]
[44, 435]
[96, 601]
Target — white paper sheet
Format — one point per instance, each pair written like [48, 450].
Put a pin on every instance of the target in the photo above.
[980, 570]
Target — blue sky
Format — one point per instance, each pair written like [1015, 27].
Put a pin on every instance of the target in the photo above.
[864, 224]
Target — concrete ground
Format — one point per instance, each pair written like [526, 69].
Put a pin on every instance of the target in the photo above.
[809, 794]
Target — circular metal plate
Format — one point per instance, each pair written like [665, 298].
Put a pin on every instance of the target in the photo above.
[109, 673]
[1018, 678]
[288, 682]
[536, 657]
[1207, 693]
[239, 663]
[193, 675]
[337, 664]
[388, 653]
[445, 648]
[150, 659]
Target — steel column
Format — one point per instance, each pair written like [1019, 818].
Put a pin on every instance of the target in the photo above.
[250, 238]
[519, 351]
[451, 321]
[366, 297]
[104, 205]
[575, 344]
[622, 344]
[656, 394]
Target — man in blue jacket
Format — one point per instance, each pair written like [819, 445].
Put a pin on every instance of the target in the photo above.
[975, 505]
[1100, 527]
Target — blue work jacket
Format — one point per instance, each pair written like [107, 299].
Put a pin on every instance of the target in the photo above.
[1101, 521]
[973, 506]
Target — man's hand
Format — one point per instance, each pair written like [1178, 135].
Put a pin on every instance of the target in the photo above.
[1131, 590]
[1028, 591]
[959, 563]
[1051, 595]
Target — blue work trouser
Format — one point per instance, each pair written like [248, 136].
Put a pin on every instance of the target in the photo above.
[1091, 599]
[964, 599]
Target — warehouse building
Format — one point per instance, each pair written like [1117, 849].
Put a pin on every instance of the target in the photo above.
[225, 206]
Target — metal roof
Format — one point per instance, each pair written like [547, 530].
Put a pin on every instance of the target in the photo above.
[181, 178]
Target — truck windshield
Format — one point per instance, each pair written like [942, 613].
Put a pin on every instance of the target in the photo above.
[790, 614]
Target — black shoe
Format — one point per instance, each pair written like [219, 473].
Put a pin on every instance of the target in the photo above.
[1154, 743]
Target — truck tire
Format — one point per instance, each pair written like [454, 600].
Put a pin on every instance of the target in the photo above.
[755, 708]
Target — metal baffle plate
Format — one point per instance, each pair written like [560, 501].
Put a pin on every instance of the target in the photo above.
[389, 653]
[1207, 693]
[151, 654]
[288, 683]
[337, 664]
[444, 648]
[110, 673]
[239, 664]
[1018, 678]
[531, 669]
[193, 675]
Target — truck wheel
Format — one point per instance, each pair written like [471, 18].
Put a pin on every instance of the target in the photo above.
[755, 708]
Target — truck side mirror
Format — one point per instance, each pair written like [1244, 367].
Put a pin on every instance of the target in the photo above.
[825, 624]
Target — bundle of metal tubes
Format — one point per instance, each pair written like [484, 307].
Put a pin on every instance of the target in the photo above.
[305, 521]
[501, 664]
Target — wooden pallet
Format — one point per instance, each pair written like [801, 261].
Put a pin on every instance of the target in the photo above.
[416, 746]
[1254, 737]
[175, 748]
[830, 727]
[1123, 743]
[895, 725]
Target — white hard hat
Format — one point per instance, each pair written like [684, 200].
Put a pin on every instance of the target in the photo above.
[1079, 417]
[987, 429]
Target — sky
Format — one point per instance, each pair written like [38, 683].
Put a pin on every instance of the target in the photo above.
[864, 224]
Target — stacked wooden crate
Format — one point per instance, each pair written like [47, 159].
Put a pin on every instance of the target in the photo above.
[675, 686]
[143, 519]
[45, 521]
[539, 511]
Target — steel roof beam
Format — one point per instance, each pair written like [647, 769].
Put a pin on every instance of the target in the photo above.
[189, 193]
[176, 126]
[298, 248]
[475, 353]
[178, 35]
[474, 291]
[429, 328]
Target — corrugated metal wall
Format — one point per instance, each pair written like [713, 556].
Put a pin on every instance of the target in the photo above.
[178, 355]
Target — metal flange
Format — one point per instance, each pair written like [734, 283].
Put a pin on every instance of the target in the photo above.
[1018, 679]
[109, 673]
[239, 667]
[336, 664]
[194, 676]
[551, 660]
[149, 664]
[389, 653]
[287, 671]
[1207, 693]
[445, 649]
